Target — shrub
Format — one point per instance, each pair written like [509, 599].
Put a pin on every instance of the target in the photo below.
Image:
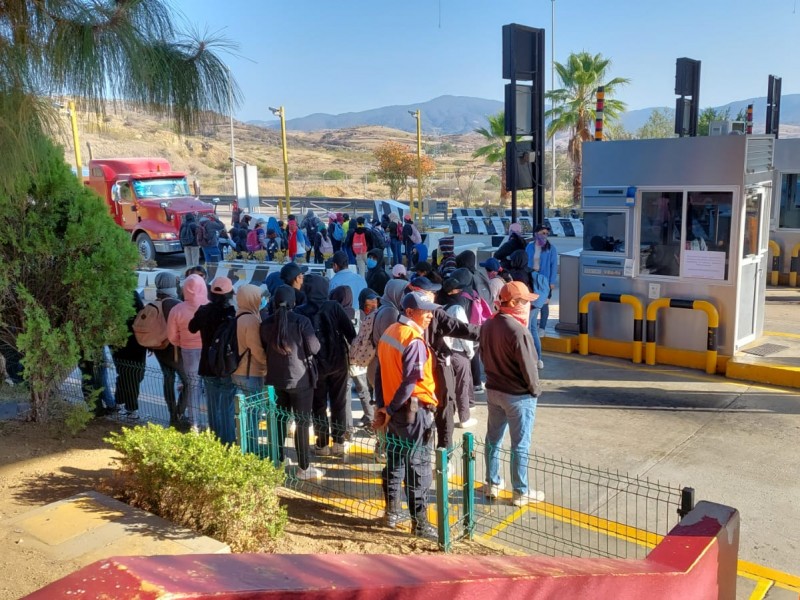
[195, 481]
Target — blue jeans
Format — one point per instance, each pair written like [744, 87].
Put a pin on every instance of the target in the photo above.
[517, 413]
[545, 315]
[533, 327]
[397, 252]
[248, 385]
[220, 392]
[192, 390]
[211, 254]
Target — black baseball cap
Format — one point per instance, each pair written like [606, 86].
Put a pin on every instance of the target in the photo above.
[290, 271]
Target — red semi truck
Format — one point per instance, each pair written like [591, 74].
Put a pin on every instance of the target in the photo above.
[147, 199]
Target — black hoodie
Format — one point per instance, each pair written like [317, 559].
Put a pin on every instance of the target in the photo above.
[480, 282]
[518, 267]
[332, 326]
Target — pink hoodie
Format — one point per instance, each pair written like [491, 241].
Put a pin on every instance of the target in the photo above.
[195, 294]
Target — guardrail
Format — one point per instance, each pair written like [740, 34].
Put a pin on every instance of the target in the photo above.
[713, 326]
[583, 321]
[775, 272]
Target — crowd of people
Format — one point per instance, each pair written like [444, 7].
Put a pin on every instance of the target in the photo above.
[417, 341]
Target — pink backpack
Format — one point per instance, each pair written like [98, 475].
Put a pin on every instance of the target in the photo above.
[480, 311]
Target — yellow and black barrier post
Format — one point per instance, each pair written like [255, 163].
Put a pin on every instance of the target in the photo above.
[713, 326]
[583, 321]
[775, 271]
[794, 266]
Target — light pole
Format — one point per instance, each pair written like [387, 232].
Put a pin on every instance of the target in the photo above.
[279, 112]
[233, 149]
[418, 116]
[552, 87]
[76, 144]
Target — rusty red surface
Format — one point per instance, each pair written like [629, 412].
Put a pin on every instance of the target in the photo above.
[697, 559]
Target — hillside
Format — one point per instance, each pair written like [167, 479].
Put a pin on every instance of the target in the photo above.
[335, 163]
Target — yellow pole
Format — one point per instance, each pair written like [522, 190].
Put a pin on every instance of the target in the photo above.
[419, 166]
[73, 117]
[282, 116]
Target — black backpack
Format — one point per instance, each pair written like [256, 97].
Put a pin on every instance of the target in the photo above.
[223, 353]
[378, 240]
[332, 344]
[187, 235]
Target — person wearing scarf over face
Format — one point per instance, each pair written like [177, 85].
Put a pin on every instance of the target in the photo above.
[463, 350]
[512, 390]
[543, 257]
[519, 271]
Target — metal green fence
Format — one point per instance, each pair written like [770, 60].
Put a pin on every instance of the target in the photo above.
[585, 511]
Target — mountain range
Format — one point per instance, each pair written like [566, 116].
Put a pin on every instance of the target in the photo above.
[462, 114]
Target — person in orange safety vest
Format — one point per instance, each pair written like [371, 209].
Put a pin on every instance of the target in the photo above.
[406, 400]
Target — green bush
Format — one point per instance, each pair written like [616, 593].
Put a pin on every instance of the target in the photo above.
[195, 481]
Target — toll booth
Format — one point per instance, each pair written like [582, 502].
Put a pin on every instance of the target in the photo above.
[684, 219]
[785, 215]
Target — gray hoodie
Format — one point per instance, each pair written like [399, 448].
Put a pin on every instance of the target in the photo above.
[390, 308]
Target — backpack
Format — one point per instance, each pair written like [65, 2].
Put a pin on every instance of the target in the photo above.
[416, 237]
[187, 236]
[330, 340]
[541, 286]
[479, 311]
[360, 243]
[150, 327]
[378, 239]
[200, 234]
[338, 232]
[223, 352]
[325, 245]
[362, 350]
[252, 241]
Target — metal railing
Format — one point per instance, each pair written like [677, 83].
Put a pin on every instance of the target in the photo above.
[586, 511]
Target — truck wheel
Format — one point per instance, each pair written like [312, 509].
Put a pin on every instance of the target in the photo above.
[145, 246]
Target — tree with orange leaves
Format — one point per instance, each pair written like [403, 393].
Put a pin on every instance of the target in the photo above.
[396, 163]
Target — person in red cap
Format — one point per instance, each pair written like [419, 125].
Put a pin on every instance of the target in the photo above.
[220, 390]
[512, 389]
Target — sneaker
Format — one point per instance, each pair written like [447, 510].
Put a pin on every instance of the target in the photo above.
[529, 497]
[427, 531]
[392, 520]
[133, 415]
[292, 427]
[471, 422]
[539, 365]
[479, 388]
[310, 473]
[492, 491]
[340, 449]
[322, 451]
[541, 333]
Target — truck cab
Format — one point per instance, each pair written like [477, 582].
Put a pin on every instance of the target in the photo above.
[147, 199]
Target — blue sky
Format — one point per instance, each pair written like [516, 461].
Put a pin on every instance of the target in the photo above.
[338, 56]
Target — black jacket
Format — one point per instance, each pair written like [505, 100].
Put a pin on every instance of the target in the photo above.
[377, 278]
[443, 325]
[480, 282]
[207, 320]
[289, 371]
[514, 242]
[368, 237]
[332, 326]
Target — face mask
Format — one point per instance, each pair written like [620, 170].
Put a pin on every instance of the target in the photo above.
[263, 303]
[521, 312]
[372, 263]
[541, 239]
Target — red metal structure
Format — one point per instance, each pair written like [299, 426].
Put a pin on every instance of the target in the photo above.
[696, 560]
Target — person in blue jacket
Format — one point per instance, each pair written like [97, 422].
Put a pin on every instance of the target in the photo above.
[543, 257]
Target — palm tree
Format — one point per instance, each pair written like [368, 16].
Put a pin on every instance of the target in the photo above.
[573, 105]
[495, 151]
[95, 51]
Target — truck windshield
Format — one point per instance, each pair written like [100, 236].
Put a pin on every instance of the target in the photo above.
[161, 188]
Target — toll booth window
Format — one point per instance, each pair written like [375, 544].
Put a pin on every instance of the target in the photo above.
[604, 231]
[790, 202]
[752, 224]
[708, 229]
[660, 234]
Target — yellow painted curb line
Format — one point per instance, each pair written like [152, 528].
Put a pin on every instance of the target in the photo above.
[785, 376]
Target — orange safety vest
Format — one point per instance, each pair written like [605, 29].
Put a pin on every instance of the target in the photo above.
[390, 355]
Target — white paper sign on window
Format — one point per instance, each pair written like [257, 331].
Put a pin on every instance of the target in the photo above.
[701, 264]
